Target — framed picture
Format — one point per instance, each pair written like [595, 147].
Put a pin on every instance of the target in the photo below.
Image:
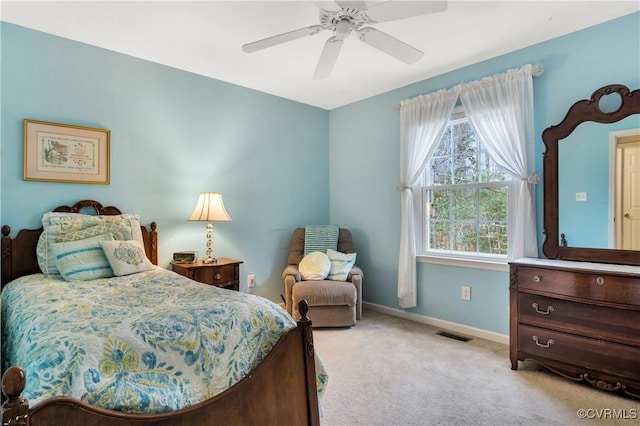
[65, 153]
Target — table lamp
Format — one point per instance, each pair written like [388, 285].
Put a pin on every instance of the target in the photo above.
[210, 208]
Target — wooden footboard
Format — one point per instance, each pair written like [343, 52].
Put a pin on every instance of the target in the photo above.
[280, 391]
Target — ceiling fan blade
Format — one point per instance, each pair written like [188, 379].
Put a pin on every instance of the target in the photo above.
[281, 38]
[328, 58]
[390, 45]
[360, 5]
[393, 10]
[326, 5]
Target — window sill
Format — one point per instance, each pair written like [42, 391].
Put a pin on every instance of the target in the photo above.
[491, 265]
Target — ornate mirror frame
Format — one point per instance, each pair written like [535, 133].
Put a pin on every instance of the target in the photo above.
[580, 112]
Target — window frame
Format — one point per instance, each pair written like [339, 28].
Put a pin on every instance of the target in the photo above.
[463, 259]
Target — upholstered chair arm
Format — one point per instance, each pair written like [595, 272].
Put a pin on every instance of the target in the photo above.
[291, 270]
[355, 276]
[355, 270]
[291, 276]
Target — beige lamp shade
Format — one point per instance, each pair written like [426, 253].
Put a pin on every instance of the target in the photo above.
[210, 208]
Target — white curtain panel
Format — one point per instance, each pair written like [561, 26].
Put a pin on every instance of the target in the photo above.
[422, 122]
[500, 109]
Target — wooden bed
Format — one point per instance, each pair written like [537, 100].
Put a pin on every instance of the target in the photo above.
[281, 390]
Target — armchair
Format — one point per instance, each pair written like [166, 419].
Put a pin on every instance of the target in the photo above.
[331, 303]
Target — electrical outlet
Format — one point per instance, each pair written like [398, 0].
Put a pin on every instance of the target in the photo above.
[465, 293]
[251, 281]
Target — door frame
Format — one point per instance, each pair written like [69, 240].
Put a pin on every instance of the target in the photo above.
[613, 177]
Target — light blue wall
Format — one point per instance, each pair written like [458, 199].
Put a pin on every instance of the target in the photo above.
[173, 134]
[364, 158]
[279, 164]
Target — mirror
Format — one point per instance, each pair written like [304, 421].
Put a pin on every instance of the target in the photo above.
[576, 165]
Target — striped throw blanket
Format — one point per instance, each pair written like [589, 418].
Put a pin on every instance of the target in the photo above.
[320, 238]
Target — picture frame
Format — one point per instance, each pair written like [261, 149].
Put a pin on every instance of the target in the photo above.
[55, 152]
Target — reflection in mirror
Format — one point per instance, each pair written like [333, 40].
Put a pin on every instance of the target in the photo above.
[626, 229]
[581, 197]
[587, 185]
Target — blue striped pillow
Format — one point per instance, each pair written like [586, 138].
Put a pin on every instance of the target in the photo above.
[82, 260]
[320, 238]
[341, 264]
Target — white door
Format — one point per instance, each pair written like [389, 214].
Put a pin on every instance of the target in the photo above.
[628, 200]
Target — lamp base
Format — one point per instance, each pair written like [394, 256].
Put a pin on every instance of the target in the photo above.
[209, 258]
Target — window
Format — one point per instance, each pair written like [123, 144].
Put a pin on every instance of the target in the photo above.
[464, 197]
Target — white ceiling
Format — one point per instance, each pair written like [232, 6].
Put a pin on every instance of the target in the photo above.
[206, 37]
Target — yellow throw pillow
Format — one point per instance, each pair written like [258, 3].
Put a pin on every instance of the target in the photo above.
[315, 266]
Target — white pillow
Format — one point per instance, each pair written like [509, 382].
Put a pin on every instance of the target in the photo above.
[315, 266]
[341, 264]
[126, 257]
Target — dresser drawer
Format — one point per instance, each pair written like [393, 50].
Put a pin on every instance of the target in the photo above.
[590, 354]
[621, 325]
[593, 286]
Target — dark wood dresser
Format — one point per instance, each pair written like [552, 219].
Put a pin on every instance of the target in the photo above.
[578, 319]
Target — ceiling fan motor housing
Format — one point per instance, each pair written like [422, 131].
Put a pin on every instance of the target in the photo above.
[342, 21]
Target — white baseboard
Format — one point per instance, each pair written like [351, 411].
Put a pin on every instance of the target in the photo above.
[435, 322]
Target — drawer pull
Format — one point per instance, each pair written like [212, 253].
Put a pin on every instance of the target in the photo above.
[218, 275]
[600, 280]
[547, 312]
[537, 278]
[549, 343]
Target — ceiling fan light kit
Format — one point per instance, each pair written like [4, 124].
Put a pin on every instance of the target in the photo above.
[353, 16]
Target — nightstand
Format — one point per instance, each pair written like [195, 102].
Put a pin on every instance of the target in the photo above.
[225, 273]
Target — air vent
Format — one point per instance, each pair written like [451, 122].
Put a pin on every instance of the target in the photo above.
[453, 336]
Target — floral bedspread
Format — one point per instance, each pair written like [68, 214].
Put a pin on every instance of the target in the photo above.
[146, 343]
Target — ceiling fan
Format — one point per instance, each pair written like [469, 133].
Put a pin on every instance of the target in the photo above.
[353, 16]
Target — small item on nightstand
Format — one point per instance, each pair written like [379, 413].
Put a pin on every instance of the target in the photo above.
[185, 257]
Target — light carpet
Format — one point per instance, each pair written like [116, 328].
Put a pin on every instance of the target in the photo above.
[391, 371]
